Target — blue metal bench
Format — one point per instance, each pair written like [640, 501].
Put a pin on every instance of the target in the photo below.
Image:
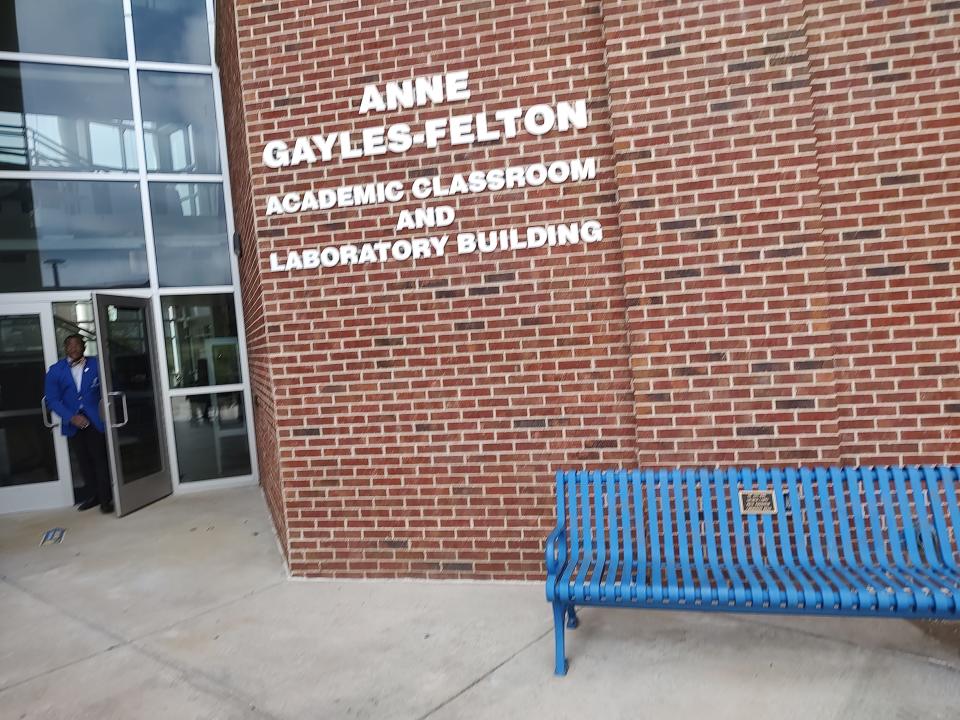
[862, 541]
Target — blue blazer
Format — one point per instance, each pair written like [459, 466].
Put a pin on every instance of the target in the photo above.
[64, 399]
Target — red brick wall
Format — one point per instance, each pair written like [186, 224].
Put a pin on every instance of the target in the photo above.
[723, 250]
[887, 114]
[263, 412]
[776, 283]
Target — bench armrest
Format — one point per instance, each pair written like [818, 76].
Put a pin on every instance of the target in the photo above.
[556, 550]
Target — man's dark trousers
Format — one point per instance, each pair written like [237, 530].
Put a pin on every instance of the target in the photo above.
[90, 448]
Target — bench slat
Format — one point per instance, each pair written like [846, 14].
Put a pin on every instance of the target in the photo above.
[586, 541]
[948, 476]
[906, 514]
[874, 483]
[854, 592]
[596, 482]
[729, 566]
[920, 499]
[725, 593]
[609, 576]
[669, 556]
[823, 595]
[758, 593]
[622, 488]
[641, 537]
[704, 593]
[930, 562]
[900, 575]
[653, 539]
[943, 474]
[884, 483]
[569, 491]
[789, 596]
[759, 560]
[845, 512]
[807, 594]
[936, 546]
[855, 477]
[679, 484]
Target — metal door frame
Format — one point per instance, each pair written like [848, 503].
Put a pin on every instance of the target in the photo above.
[48, 495]
[143, 491]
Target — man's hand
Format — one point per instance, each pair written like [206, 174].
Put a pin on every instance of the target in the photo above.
[79, 421]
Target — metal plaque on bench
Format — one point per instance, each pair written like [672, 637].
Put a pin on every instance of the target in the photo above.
[758, 502]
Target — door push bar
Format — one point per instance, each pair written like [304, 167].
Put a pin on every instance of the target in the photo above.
[45, 411]
[123, 402]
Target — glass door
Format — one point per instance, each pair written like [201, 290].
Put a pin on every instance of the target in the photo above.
[34, 462]
[131, 394]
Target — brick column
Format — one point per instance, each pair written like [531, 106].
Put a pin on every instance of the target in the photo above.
[720, 212]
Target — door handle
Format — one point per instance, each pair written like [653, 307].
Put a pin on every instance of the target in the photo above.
[123, 402]
[45, 411]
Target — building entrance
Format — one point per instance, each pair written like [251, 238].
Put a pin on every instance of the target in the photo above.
[35, 466]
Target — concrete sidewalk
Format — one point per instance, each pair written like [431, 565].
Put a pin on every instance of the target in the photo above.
[183, 610]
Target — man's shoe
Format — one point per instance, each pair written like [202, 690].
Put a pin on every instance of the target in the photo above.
[106, 508]
[87, 504]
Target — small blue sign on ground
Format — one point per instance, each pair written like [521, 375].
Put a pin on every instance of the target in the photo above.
[54, 536]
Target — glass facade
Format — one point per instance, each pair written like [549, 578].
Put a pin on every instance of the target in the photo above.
[57, 117]
[83, 28]
[201, 340]
[60, 234]
[173, 31]
[190, 234]
[179, 123]
[211, 432]
[111, 179]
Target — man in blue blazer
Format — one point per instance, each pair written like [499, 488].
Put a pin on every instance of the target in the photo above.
[73, 392]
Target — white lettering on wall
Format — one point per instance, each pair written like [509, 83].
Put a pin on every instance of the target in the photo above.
[454, 130]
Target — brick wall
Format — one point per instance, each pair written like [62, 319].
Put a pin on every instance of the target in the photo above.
[263, 412]
[776, 283]
[886, 91]
[723, 250]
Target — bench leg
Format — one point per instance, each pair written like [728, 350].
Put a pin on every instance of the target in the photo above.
[572, 620]
[559, 611]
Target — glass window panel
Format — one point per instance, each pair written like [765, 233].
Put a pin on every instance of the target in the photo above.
[26, 445]
[76, 318]
[57, 117]
[179, 122]
[190, 234]
[71, 234]
[171, 31]
[211, 436]
[86, 28]
[201, 340]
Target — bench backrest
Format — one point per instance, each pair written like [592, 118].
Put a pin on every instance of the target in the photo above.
[686, 520]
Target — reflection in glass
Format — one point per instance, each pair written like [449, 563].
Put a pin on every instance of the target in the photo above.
[211, 435]
[71, 234]
[171, 31]
[179, 122]
[131, 373]
[190, 234]
[65, 118]
[26, 445]
[201, 340]
[76, 318]
[87, 28]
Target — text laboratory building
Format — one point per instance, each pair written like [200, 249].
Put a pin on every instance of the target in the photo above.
[399, 262]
